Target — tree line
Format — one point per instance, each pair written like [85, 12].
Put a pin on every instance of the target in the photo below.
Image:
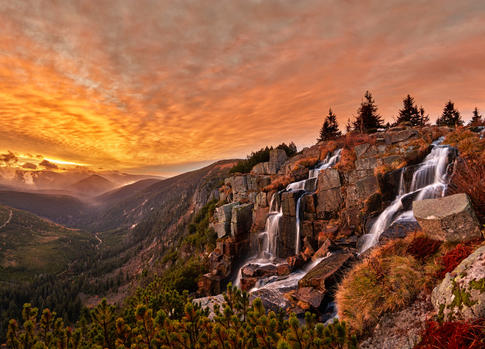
[368, 120]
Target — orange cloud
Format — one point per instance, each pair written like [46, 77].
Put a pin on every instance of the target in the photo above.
[122, 84]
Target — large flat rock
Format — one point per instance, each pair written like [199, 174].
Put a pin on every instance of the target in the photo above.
[450, 218]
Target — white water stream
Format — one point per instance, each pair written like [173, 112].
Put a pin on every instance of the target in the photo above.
[429, 181]
[267, 240]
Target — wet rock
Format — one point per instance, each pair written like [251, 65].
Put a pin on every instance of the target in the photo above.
[399, 136]
[287, 236]
[309, 295]
[288, 203]
[259, 271]
[461, 295]
[283, 269]
[398, 230]
[259, 218]
[248, 283]
[241, 221]
[295, 262]
[450, 218]
[325, 275]
[324, 249]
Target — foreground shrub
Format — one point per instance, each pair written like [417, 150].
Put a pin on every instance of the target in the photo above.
[453, 335]
[378, 285]
[235, 324]
[452, 258]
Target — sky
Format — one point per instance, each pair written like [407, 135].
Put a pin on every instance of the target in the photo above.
[167, 86]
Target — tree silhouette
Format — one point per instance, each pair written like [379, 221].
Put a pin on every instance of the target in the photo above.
[329, 128]
[422, 118]
[450, 117]
[367, 120]
[409, 113]
[476, 119]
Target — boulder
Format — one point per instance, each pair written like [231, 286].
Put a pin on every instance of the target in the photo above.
[325, 275]
[310, 296]
[450, 218]
[399, 136]
[461, 295]
[283, 269]
[223, 216]
[241, 220]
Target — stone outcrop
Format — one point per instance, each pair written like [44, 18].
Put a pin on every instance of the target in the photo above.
[241, 221]
[450, 218]
[277, 158]
[399, 136]
[461, 295]
[323, 278]
[223, 215]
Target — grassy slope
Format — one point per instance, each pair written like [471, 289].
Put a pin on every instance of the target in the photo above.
[30, 245]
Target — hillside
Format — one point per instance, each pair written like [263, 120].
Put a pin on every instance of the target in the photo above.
[30, 245]
[91, 186]
[120, 194]
[62, 209]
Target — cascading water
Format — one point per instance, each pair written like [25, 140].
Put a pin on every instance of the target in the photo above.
[429, 181]
[267, 240]
[309, 186]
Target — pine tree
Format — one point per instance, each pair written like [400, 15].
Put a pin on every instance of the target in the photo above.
[422, 119]
[476, 119]
[367, 120]
[329, 128]
[450, 117]
[409, 113]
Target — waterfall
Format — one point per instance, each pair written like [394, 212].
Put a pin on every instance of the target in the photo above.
[429, 181]
[309, 186]
[266, 244]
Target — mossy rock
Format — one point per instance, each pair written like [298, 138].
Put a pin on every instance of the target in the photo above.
[461, 295]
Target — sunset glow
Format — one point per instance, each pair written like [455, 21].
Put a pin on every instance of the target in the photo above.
[173, 85]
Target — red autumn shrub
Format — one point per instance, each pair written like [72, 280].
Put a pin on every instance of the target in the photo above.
[453, 335]
[422, 247]
[452, 258]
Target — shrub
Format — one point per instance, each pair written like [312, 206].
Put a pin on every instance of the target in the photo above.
[453, 335]
[468, 143]
[305, 163]
[422, 247]
[378, 285]
[347, 160]
[452, 258]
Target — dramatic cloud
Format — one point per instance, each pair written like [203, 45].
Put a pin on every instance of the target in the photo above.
[159, 84]
[29, 166]
[9, 158]
[48, 165]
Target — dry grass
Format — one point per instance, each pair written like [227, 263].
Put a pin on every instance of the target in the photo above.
[468, 143]
[278, 184]
[390, 278]
[329, 147]
[352, 139]
[376, 286]
[384, 168]
[305, 163]
[347, 160]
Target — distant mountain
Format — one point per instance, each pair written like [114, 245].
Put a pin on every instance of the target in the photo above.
[63, 209]
[26, 180]
[30, 245]
[119, 194]
[91, 186]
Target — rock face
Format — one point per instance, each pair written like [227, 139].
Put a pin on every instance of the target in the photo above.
[461, 295]
[450, 218]
[241, 221]
[399, 136]
[223, 215]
